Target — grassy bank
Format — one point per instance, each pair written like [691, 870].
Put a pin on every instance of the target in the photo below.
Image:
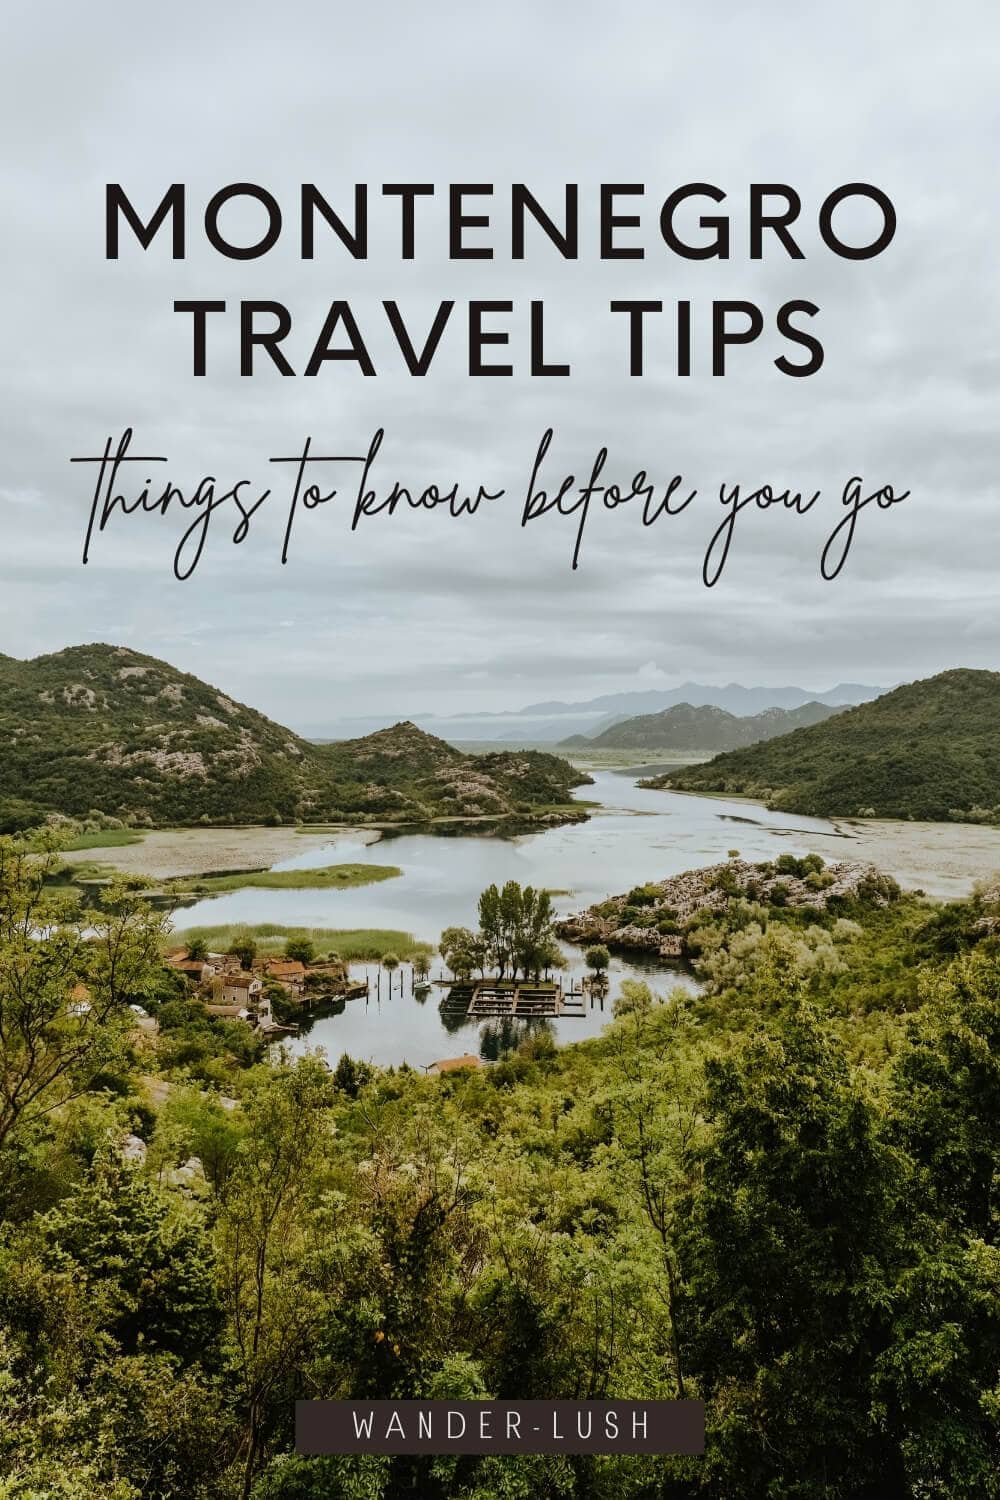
[356, 944]
[104, 838]
[321, 878]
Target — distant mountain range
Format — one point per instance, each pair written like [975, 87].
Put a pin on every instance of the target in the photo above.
[103, 729]
[705, 728]
[553, 720]
[735, 698]
[927, 750]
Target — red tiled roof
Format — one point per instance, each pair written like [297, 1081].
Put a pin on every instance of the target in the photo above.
[286, 968]
[449, 1064]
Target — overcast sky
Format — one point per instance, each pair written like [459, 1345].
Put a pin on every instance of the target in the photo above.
[425, 612]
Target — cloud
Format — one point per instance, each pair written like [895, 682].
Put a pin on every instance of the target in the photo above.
[425, 611]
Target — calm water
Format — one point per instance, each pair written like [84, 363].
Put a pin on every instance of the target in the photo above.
[635, 836]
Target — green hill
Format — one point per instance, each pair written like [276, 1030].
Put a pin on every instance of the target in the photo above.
[705, 727]
[104, 729]
[927, 750]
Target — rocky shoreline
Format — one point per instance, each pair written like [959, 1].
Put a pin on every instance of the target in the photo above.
[652, 918]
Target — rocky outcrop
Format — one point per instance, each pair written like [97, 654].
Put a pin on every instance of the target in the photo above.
[652, 918]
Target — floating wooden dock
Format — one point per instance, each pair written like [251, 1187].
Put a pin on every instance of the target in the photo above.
[486, 999]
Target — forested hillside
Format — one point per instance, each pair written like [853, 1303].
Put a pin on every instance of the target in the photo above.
[927, 750]
[102, 729]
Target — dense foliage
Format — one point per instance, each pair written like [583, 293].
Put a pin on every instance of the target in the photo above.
[779, 1195]
[102, 729]
[926, 750]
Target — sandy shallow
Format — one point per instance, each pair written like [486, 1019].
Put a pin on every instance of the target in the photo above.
[202, 851]
[942, 859]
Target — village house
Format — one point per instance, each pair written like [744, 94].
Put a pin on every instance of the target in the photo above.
[231, 992]
[241, 989]
[225, 963]
[288, 972]
[197, 970]
[79, 1001]
[228, 1012]
[240, 996]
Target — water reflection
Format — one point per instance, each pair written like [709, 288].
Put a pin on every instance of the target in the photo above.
[390, 1023]
[498, 1039]
[634, 836]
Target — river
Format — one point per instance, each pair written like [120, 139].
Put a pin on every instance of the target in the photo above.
[633, 836]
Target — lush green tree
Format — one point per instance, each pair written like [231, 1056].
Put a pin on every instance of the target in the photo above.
[947, 1092]
[463, 951]
[350, 1076]
[133, 1249]
[209, 1049]
[597, 959]
[78, 1421]
[406, 1256]
[516, 928]
[300, 948]
[655, 1112]
[534, 933]
[65, 982]
[245, 949]
[267, 1238]
[492, 928]
[549, 956]
[195, 1123]
[808, 1262]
